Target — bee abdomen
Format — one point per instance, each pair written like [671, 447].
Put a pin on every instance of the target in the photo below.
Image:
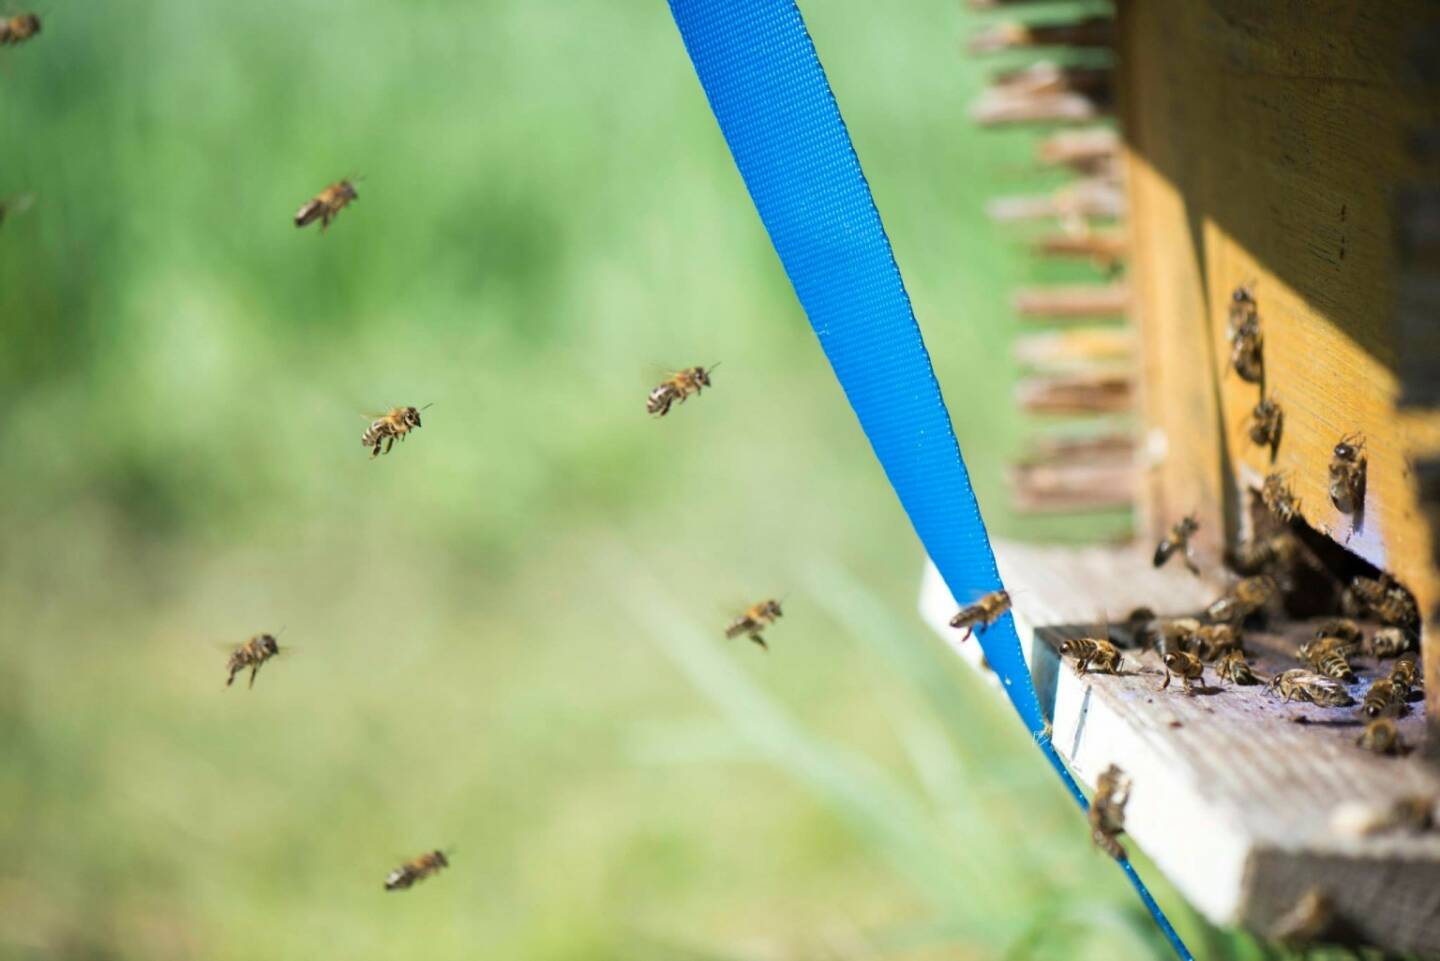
[399, 879]
[308, 213]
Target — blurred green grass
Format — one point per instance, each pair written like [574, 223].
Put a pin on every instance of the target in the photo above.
[504, 632]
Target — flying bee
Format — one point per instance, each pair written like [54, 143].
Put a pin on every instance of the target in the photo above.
[1391, 642]
[1246, 342]
[326, 205]
[1092, 654]
[1187, 667]
[416, 869]
[1266, 421]
[1277, 552]
[980, 615]
[1233, 667]
[1179, 634]
[1327, 655]
[18, 29]
[680, 385]
[1405, 675]
[1347, 475]
[1382, 736]
[1215, 640]
[754, 621]
[1278, 497]
[1386, 597]
[1302, 685]
[387, 428]
[1384, 699]
[1247, 596]
[1107, 811]
[251, 654]
[1178, 541]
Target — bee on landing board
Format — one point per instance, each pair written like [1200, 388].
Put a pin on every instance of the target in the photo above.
[1216, 640]
[1266, 421]
[680, 385]
[1278, 497]
[1187, 667]
[1384, 699]
[1302, 685]
[1382, 737]
[18, 29]
[1278, 552]
[387, 428]
[415, 870]
[251, 654]
[1178, 541]
[1330, 655]
[1391, 642]
[1384, 596]
[1246, 343]
[1247, 596]
[1092, 654]
[1405, 675]
[1347, 475]
[980, 615]
[753, 622]
[1233, 667]
[1107, 811]
[326, 205]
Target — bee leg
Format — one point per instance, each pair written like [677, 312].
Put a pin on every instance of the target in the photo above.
[1167, 681]
[969, 633]
[1190, 562]
[761, 641]
[390, 442]
[253, 671]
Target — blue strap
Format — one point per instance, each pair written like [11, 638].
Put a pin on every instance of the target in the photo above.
[765, 84]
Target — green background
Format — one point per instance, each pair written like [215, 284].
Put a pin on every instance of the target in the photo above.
[506, 634]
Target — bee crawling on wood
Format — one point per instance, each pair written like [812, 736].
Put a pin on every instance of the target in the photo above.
[1382, 737]
[1092, 655]
[980, 615]
[1140, 626]
[1107, 811]
[1266, 421]
[1384, 699]
[1405, 675]
[1179, 634]
[1233, 667]
[1178, 541]
[18, 29]
[1302, 685]
[1386, 598]
[387, 428]
[326, 205]
[1277, 496]
[754, 621]
[1279, 552]
[415, 870]
[1215, 640]
[1247, 596]
[1347, 475]
[1243, 333]
[251, 654]
[1330, 656]
[680, 385]
[1185, 666]
[1391, 642]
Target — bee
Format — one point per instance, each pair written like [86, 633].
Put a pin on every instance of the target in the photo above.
[984, 612]
[1178, 540]
[1107, 811]
[1310, 918]
[251, 654]
[1328, 656]
[1247, 596]
[1277, 552]
[1140, 624]
[1214, 640]
[1187, 667]
[1092, 654]
[1405, 675]
[754, 621]
[1233, 667]
[1301, 685]
[1265, 423]
[1344, 629]
[1391, 642]
[1382, 736]
[1386, 597]
[1179, 634]
[416, 869]
[1384, 699]
[1411, 813]
[680, 385]
[387, 428]
[1246, 342]
[326, 205]
[1347, 475]
[18, 29]
[1278, 497]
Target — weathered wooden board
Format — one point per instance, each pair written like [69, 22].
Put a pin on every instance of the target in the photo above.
[1284, 173]
[1234, 799]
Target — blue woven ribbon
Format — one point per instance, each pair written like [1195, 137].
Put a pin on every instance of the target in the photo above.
[769, 93]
